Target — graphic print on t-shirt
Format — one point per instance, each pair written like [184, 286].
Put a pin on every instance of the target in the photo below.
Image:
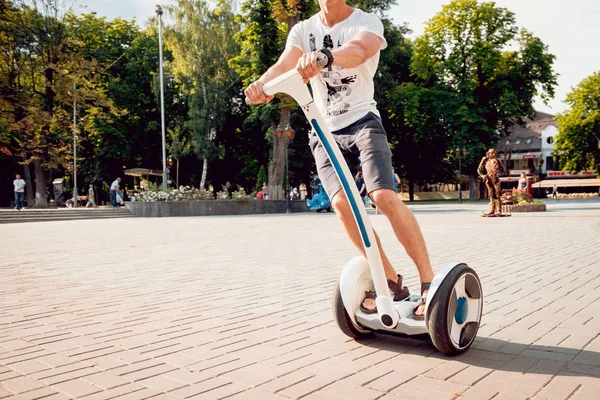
[335, 79]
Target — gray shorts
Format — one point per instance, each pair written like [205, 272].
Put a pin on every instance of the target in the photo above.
[363, 143]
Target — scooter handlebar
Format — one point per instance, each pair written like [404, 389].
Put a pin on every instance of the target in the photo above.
[321, 62]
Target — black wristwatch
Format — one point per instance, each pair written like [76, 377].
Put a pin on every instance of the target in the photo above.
[329, 56]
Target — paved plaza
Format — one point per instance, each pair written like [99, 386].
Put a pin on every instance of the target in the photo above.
[239, 307]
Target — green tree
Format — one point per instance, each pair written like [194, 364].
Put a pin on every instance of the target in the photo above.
[178, 146]
[420, 116]
[578, 141]
[265, 26]
[476, 51]
[201, 39]
[128, 70]
[38, 85]
[261, 178]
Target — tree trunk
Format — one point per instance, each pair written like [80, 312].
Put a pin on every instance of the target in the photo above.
[277, 164]
[411, 190]
[177, 175]
[204, 172]
[28, 183]
[473, 187]
[41, 199]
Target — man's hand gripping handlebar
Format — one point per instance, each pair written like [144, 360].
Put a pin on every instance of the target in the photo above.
[259, 92]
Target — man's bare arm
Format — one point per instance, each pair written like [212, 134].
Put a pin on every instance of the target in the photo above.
[352, 54]
[358, 50]
[286, 62]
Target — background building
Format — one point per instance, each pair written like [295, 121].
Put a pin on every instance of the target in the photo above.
[529, 149]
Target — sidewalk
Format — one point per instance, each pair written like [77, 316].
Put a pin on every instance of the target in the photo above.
[239, 308]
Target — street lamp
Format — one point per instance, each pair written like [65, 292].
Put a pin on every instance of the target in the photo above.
[159, 13]
[540, 162]
[460, 154]
[75, 197]
[288, 137]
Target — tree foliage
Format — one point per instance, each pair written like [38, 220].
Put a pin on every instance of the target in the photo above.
[470, 76]
[578, 141]
[201, 40]
[477, 53]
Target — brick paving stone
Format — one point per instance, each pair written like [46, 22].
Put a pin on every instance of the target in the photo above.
[559, 388]
[200, 388]
[586, 392]
[29, 367]
[286, 381]
[391, 381]
[446, 370]
[105, 380]
[184, 317]
[246, 378]
[77, 388]
[346, 391]
[45, 393]
[220, 392]
[21, 384]
[162, 383]
[256, 394]
[306, 387]
[4, 392]
[118, 392]
[478, 394]
[436, 388]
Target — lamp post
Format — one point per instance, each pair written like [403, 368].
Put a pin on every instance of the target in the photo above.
[460, 154]
[159, 13]
[75, 197]
[170, 164]
[289, 134]
[540, 162]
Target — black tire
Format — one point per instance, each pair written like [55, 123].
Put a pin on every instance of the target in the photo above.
[319, 210]
[439, 322]
[343, 319]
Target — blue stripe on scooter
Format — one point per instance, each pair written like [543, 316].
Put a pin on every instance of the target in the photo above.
[344, 181]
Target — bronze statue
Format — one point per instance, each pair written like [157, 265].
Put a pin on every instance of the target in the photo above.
[493, 169]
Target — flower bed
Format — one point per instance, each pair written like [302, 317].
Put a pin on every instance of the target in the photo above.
[187, 202]
[186, 193]
[531, 207]
[520, 201]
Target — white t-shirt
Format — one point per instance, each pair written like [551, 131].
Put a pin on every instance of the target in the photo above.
[19, 185]
[115, 185]
[344, 95]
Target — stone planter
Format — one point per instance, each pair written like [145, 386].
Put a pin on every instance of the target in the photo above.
[509, 209]
[212, 207]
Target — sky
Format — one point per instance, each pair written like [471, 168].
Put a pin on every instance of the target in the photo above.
[570, 28]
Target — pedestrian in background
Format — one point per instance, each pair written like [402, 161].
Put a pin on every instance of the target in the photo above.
[19, 187]
[90, 200]
[114, 188]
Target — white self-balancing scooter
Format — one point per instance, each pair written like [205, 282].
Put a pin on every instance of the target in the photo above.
[455, 298]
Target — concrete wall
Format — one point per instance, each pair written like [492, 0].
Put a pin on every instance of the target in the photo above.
[212, 207]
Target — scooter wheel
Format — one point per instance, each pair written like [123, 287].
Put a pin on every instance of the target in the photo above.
[343, 319]
[454, 314]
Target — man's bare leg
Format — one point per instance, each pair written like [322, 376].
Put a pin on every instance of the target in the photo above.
[407, 231]
[344, 212]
